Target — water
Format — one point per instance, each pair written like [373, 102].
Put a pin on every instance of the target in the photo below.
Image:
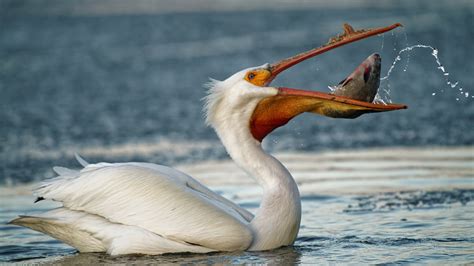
[125, 84]
[434, 53]
[333, 230]
[367, 206]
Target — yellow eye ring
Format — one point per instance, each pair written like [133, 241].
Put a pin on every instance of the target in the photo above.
[258, 77]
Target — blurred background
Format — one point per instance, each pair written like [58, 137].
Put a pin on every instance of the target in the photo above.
[118, 80]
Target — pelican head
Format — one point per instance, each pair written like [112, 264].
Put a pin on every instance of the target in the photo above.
[246, 98]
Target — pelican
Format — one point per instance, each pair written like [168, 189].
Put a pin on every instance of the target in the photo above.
[145, 208]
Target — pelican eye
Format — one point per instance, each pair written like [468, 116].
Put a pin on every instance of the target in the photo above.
[257, 77]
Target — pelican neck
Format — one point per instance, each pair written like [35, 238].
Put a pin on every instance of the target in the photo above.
[277, 220]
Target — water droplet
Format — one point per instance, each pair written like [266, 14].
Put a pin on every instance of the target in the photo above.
[434, 93]
[434, 53]
[466, 94]
[457, 99]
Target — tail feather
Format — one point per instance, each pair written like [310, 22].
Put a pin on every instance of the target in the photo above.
[66, 232]
[92, 233]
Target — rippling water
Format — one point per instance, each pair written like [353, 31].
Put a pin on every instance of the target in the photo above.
[372, 206]
[121, 84]
[428, 232]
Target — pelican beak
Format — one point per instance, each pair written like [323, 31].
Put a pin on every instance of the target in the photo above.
[275, 111]
[350, 35]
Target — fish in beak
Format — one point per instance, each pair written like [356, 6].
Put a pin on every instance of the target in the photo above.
[363, 83]
[350, 99]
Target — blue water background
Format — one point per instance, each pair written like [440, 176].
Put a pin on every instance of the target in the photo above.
[69, 81]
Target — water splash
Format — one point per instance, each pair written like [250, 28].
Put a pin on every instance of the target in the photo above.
[434, 53]
[332, 88]
[408, 55]
[385, 99]
[383, 95]
[383, 41]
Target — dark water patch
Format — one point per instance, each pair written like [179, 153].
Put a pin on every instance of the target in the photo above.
[17, 253]
[435, 259]
[11, 249]
[8, 228]
[303, 239]
[414, 225]
[410, 200]
[45, 242]
[376, 241]
[317, 197]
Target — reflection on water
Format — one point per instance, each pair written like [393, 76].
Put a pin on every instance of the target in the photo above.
[282, 256]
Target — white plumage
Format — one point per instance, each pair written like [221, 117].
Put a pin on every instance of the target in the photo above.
[107, 206]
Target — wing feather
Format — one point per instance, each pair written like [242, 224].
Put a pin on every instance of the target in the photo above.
[159, 199]
[81, 160]
[92, 233]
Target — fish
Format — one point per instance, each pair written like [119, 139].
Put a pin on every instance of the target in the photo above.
[363, 83]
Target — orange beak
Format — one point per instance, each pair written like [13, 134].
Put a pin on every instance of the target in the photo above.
[349, 35]
[275, 111]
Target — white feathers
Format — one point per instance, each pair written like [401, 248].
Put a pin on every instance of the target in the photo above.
[67, 226]
[81, 160]
[62, 171]
[92, 233]
[213, 99]
[152, 198]
[235, 94]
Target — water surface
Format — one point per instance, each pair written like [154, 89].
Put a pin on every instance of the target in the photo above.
[367, 206]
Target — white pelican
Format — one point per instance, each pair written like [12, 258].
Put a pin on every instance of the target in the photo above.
[126, 208]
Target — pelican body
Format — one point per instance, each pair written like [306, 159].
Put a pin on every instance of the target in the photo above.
[126, 208]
